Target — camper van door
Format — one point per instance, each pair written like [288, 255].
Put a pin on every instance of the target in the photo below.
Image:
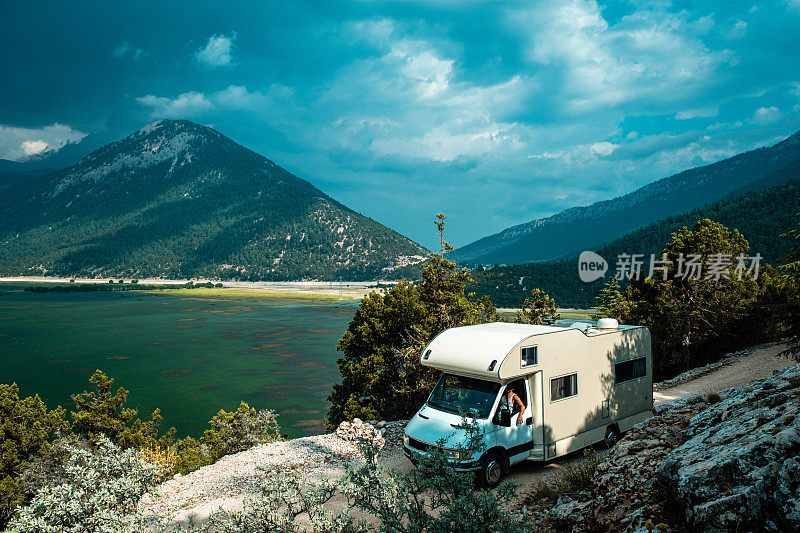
[516, 438]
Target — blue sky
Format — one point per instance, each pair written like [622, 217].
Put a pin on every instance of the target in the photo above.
[494, 112]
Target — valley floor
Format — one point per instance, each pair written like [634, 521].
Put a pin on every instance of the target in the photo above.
[326, 457]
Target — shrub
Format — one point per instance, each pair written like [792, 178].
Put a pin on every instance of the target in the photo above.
[230, 432]
[693, 321]
[26, 426]
[240, 430]
[713, 397]
[537, 309]
[191, 454]
[381, 374]
[103, 412]
[111, 281]
[97, 491]
[134, 282]
[578, 477]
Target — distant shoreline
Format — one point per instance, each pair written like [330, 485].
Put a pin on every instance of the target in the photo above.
[352, 291]
[349, 290]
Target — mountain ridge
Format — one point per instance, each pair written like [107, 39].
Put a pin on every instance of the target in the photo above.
[760, 215]
[566, 232]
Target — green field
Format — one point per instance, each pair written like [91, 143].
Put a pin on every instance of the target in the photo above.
[190, 354]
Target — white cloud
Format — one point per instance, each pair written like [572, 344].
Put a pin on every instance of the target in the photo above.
[603, 148]
[650, 54]
[706, 112]
[738, 30]
[126, 49]
[422, 66]
[217, 51]
[766, 115]
[375, 31]
[194, 104]
[19, 143]
[188, 104]
[34, 147]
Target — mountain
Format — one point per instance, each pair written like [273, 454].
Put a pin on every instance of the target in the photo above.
[588, 227]
[12, 172]
[179, 200]
[761, 216]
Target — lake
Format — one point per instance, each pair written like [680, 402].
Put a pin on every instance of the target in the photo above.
[188, 354]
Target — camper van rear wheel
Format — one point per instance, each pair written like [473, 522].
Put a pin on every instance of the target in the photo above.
[612, 436]
[491, 471]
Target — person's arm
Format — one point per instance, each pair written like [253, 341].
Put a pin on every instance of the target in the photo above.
[521, 408]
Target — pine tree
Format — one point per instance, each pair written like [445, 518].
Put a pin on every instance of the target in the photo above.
[537, 309]
[608, 300]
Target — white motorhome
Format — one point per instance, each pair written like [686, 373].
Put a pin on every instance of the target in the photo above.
[573, 386]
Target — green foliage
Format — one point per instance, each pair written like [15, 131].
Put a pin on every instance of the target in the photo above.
[608, 299]
[26, 428]
[103, 412]
[283, 497]
[537, 309]
[791, 310]
[239, 430]
[578, 476]
[381, 374]
[230, 432]
[97, 490]
[692, 321]
[190, 454]
[133, 286]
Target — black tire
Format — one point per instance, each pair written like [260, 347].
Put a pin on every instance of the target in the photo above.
[612, 436]
[491, 472]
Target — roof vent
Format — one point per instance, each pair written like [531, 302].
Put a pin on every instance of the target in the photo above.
[607, 324]
[427, 354]
[491, 365]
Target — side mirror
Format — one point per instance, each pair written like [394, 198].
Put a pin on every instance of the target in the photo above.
[502, 417]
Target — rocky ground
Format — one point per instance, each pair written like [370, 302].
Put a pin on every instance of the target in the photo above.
[235, 477]
[714, 462]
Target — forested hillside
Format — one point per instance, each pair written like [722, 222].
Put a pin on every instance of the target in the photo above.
[761, 216]
[179, 200]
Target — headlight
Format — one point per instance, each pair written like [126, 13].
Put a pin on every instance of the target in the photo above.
[405, 439]
[452, 454]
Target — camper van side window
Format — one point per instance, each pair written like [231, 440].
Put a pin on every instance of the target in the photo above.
[630, 370]
[563, 387]
[529, 356]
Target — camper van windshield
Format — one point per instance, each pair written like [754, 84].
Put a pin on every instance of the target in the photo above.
[458, 393]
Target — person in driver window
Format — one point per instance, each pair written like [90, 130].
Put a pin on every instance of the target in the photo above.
[514, 403]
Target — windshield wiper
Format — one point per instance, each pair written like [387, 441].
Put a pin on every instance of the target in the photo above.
[449, 407]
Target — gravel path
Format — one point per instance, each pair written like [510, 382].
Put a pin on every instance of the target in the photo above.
[735, 370]
[230, 481]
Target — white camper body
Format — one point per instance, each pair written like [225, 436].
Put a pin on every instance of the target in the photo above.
[579, 384]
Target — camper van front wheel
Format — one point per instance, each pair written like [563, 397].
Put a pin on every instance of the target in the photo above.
[491, 471]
